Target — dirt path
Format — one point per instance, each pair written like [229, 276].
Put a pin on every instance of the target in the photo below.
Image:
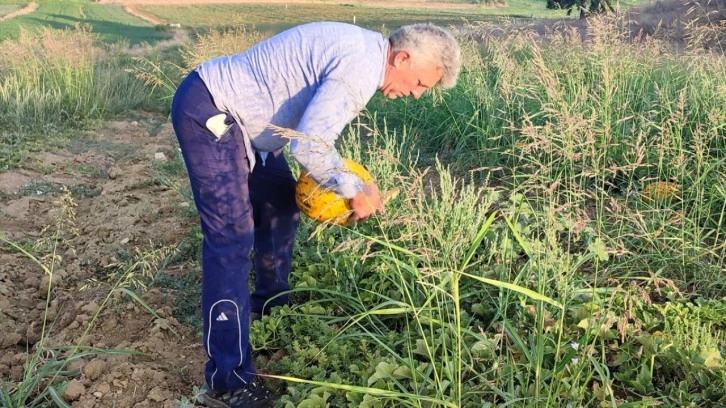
[121, 208]
[31, 7]
[134, 11]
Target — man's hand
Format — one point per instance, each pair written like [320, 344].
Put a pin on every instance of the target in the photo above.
[365, 203]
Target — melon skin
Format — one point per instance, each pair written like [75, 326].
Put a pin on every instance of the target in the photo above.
[324, 205]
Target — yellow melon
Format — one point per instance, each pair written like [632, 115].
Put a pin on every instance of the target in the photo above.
[660, 191]
[324, 205]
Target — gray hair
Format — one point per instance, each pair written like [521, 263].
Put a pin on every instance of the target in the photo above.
[432, 43]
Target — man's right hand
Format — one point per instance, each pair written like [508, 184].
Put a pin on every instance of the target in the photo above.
[366, 203]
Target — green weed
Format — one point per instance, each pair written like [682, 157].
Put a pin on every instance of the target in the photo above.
[55, 78]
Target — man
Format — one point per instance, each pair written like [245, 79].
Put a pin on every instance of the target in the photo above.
[313, 79]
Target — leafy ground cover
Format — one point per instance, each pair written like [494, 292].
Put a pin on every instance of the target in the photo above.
[558, 239]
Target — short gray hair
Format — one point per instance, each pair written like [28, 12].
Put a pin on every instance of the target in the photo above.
[433, 43]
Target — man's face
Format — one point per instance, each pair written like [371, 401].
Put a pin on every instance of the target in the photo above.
[407, 75]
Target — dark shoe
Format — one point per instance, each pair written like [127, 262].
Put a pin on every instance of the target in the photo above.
[254, 394]
[255, 316]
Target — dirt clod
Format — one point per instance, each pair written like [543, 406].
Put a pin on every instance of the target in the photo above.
[74, 390]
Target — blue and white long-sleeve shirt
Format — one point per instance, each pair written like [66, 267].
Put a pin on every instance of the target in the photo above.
[314, 79]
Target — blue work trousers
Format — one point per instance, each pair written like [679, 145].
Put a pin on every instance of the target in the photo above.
[239, 211]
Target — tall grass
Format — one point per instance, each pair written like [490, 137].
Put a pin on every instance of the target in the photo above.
[569, 131]
[55, 82]
[589, 126]
[162, 72]
[63, 78]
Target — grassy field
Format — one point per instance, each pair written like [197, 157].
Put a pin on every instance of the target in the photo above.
[109, 22]
[560, 238]
[6, 9]
[112, 24]
[273, 18]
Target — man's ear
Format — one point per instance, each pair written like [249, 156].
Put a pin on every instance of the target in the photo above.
[400, 57]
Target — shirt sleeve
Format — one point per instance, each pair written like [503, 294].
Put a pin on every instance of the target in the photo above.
[334, 105]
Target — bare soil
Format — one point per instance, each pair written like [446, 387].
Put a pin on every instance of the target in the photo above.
[123, 209]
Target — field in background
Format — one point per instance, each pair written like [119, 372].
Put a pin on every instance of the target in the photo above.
[273, 18]
[110, 22]
[559, 239]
